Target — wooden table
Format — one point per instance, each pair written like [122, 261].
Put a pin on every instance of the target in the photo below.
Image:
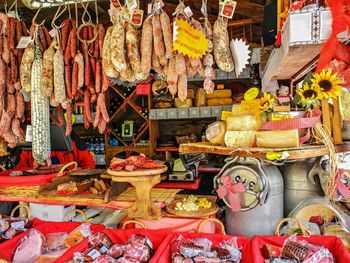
[143, 181]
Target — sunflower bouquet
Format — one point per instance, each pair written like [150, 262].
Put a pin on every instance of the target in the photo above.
[323, 85]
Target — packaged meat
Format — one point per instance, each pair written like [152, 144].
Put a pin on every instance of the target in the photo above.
[54, 241]
[116, 250]
[77, 235]
[29, 248]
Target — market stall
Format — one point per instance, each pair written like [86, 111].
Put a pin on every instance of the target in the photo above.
[173, 131]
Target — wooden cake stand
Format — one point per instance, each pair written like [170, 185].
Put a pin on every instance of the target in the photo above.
[143, 181]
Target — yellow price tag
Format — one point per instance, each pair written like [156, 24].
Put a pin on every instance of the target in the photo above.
[73, 118]
[279, 117]
[250, 106]
[277, 156]
[220, 86]
[251, 94]
[225, 115]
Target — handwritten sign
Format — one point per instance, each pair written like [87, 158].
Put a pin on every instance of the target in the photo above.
[189, 41]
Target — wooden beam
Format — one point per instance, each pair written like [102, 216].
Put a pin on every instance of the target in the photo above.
[241, 22]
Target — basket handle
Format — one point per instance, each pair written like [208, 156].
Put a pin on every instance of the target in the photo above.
[135, 222]
[222, 227]
[297, 222]
[60, 173]
[21, 206]
[76, 211]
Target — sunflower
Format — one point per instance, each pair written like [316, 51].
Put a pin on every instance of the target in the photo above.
[309, 94]
[328, 83]
[267, 102]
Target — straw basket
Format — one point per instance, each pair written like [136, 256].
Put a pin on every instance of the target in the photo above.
[30, 190]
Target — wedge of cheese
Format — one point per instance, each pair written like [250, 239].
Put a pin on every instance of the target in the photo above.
[234, 139]
[277, 139]
[215, 133]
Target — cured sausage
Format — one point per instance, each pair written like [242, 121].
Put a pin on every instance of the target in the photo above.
[42, 38]
[11, 105]
[58, 76]
[87, 106]
[69, 124]
[101, 36]
[167, 34]
[132, 49]
[146, 46]
[24, 29]
[5, 123]
[16, 129]
[68, 79]
[172, 77]
[98, 77]
[11, 32]
[13, 68]
[65, 32]
[75, 79]
[17, 85]
[182, 87]
[10, 88]
[191, 71]
[87, 68]
[20, 105]
[180, 65]
[60, 118]
[10, 138]
[117, 47]
[48, 70]
[158, 43]
[102, 126]
[156, 64]
[1, 45]
[79, 59]
[102, 107]
[97, 116]
[73, 42]
[67, 52]
[18, 30]
[3, 76]
[6, 49]
[26, 66]
[105, 81]
[47, 36]
[222, 53]
[108, 67]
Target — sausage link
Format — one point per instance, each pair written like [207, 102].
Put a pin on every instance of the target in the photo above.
[75, 79]
[11, 32]
[60, 117]
[69, 124]
[98, 76]
[87, 67]
[42, 38]
[18, 30]
[68, 79]
[87, 106]
[20, 105]
[73, 42]
[11, 105]
[79, 59]
[65, 32]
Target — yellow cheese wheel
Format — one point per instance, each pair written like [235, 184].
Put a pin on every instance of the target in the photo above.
[215, 133]
[224, 93]
[236, 139]
[277, 139]
[245, 122]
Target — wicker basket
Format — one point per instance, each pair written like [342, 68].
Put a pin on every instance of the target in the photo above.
[32, 190]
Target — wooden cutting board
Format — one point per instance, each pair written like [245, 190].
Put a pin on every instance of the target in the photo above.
[139, 172]
[201, 212]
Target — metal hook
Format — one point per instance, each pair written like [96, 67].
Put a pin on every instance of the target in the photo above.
[57, 15]
[96, 11]
[14, 5]
[35, 16]
[86, 12]
[69, 13]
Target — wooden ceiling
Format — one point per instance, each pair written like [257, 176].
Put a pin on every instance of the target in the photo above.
[247, 19]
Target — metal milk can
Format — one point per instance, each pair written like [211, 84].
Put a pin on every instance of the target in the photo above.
[261, 204]
[298, 186]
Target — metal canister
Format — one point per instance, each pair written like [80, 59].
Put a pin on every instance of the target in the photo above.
[297, 186]
[262, 204]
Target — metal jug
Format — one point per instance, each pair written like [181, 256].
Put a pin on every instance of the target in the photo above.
[262, 203]
[298, 185]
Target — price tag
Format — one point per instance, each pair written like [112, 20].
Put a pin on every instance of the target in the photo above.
[11, 14]
[149, 9]
[188, 11]
[53, 32]
[136, 17]
[228, 8]
[143, 89]
[18, 225]
[279, 117]
[277, 156]
[94, 254]
[220, 86]
[29, 133]
[251, 94]
[24, 42]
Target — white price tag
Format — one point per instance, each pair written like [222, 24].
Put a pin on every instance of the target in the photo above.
[29, 133]
[24, 42]
[17, 225]
[149, 9]
[94, 254]
[228, 8]
[53, 32]
[188, 11]
[11, 14]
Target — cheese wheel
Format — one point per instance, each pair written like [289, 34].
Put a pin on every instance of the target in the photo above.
[277, 139]
[245, 122]
[215, 133]
[234, 139]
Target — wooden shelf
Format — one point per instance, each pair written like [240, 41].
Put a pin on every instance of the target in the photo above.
[307, 151]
